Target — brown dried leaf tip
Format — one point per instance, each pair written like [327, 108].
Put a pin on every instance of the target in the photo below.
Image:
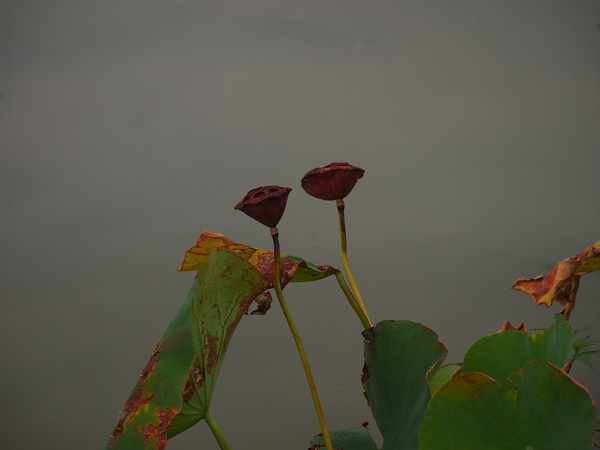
[265, 204]
[332, 182]
[507, 326]
[562, 282]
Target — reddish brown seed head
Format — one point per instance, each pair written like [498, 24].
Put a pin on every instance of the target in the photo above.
[332, 182]
[265, 204]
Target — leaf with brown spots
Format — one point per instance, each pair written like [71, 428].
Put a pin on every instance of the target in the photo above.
[197, 256]
[175, 388]
[293, 268]
[562, 282]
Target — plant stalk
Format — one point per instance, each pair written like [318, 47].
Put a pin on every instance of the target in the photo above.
[344, 252]
[364, 320]
[214, 427]
[297, 340]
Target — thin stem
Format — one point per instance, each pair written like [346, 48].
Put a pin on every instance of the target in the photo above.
[297, 340]
[214, 427]
[359, 312]
[344, 252]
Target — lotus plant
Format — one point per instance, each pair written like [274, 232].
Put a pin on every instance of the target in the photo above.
[511, 390]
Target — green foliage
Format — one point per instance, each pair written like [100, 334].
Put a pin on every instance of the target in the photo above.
[513, 394]
[505, 353]
[442, 376]
[510, 394]
[582, 351]
[541, 408]
[176, 386]
[400, 357]
[512, 391]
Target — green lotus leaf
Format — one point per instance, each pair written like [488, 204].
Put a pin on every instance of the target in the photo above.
[176, 386]
[502, 354]
[542, 409]
[399, 358]
[442, 376]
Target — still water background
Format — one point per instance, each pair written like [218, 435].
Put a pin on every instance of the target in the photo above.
[127, 128]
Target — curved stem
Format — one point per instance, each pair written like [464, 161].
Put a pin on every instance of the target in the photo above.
[366, 323]
[297, 340]
[344, 252]
[214, 427]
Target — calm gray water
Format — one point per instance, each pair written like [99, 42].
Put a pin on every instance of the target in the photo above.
[127, 128]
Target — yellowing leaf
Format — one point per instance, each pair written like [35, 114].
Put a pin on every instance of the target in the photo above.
[292, 267]
[590, 260]
[175, 388]
[197, 256]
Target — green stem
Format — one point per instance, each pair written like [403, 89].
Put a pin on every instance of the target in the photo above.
[344, 252]
[214, 427]
[297, 340]
[359, 312]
